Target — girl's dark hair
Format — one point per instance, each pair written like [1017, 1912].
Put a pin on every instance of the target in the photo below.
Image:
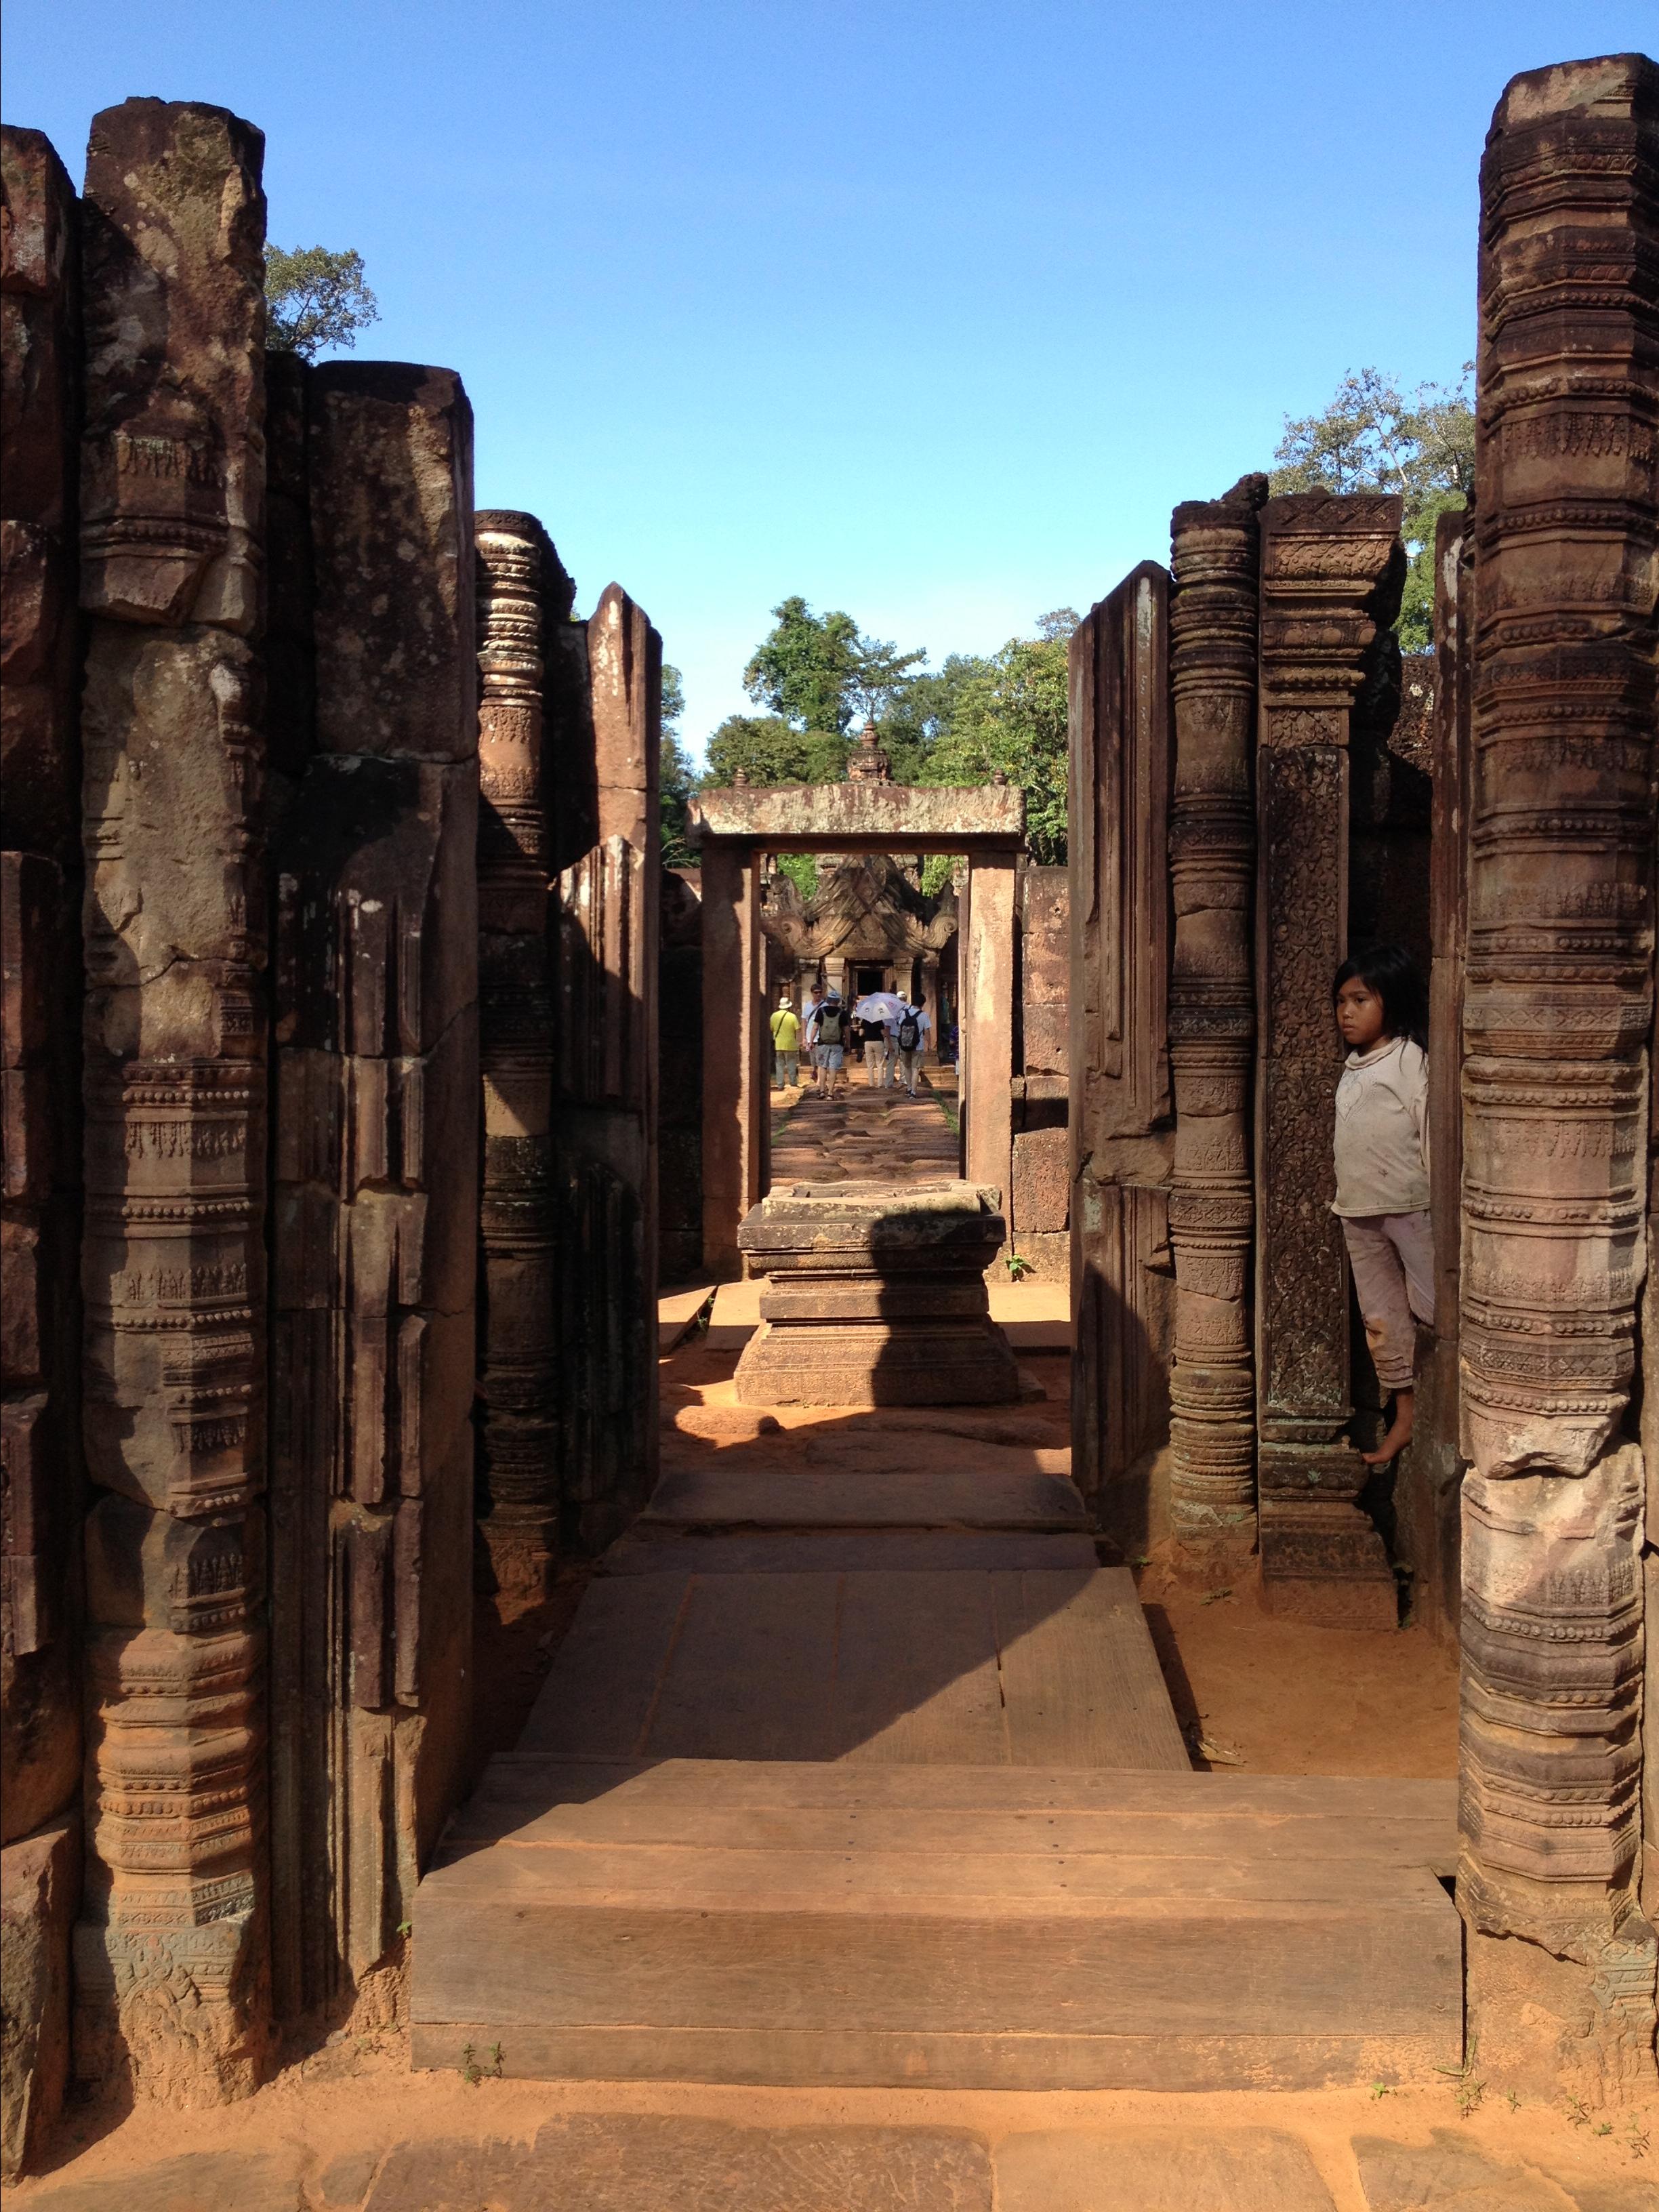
[1389, 971]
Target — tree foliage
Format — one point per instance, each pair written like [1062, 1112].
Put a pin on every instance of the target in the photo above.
[1375, 437]
[769, 749]
[679, 775]
[802, 671]
[315, 299]
[1009, 715]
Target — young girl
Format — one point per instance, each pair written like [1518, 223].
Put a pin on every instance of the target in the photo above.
[1383, 1166]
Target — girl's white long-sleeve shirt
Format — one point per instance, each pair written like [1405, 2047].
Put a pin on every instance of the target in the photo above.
[1383, 1130]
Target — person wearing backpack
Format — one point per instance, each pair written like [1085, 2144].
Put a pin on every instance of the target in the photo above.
[830, 1053]
[873, 1039]
[910, 1037]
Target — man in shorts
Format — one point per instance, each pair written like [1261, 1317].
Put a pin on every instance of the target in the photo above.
[909, 1037]
[829, 1053]
[786, 1043]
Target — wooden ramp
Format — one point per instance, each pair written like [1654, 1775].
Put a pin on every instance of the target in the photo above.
[951, 1925]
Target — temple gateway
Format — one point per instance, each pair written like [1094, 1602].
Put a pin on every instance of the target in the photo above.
[372, 1093]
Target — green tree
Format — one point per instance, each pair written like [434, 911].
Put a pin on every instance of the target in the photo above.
[881, 675]
[315, 299]
[679, 776]
[803, 669]
[1375, 437]
[769, 749]
[921, 714]
[1010, 714]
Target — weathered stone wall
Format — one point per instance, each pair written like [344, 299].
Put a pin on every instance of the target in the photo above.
[1557, 1023]
[679, 1076]
[171, 1956]
[40, 885]
[1039, 1204]
[376, 1216]
[1331, 574]
[1121, 1121]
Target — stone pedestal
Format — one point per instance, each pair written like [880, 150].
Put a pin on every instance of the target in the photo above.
[875, 1295]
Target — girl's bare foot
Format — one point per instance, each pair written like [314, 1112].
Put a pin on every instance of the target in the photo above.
[1398, 1434]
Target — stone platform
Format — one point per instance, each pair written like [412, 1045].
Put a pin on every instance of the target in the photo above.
[875, 1295]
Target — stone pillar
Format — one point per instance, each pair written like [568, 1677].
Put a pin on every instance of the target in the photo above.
[987, 1028]
[608, 919]
[1558, 1021]
[734, 1108]
[376, 1234]
[1430, 1508]
[1331, 574]
[931, 1007]
[41, 1481]
[1118, 1055]
[170, 1960]
[517, 1377]
[1212, 664]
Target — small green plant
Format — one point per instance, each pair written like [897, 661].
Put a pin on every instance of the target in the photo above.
[1636, 2138]
[1017, 1265]
[405, 1927]
[1215, 1596]
[1143, 1561]
[495, 2060]
[1466, 2090]
[1381, 2089]
[1577, 2112]
[1512, 2098]
[469, 2073]
[1606, 2128]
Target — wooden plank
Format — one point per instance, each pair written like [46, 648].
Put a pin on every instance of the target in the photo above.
[916, 1670]
[1080, 1678]
[852, 2058]
[752, 1671]
[830, 1551]
[1196, 1967]
[788, 1496]
[597, 1701]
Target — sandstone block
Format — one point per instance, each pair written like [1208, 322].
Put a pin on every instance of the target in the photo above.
[875, 1295]
[172, 468]
[1158, 2170]
[39, 1890]
[1041, 1182]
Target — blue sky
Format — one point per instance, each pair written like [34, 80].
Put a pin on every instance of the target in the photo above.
[927, 310]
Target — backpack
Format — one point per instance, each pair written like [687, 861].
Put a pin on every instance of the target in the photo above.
[909, 1034]
[829, 1025]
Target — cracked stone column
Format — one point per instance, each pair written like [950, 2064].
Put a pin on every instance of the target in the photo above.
[170, 1957]
[1559, 1020]
[375, 1242]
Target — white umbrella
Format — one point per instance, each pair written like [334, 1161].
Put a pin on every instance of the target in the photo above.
[881, 1006]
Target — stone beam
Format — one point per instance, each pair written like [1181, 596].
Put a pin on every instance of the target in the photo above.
[858, 817]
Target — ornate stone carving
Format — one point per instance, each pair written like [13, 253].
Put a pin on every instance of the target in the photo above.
[1558, 1022]
[868, 762]
[1118, 1052]
[1212, 663]
[1331, 574]
[170, 1959]
[607, 918]
[518, 1378]
[375, 1244]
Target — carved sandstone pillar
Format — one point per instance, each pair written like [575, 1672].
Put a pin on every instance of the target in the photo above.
[375, 1235]
[607, 916]
[1331, 574]
[518, 1378]
[1558, 1021]
[171, 1957]
[1118, 1053]
[1212, 662]
[734, 1106]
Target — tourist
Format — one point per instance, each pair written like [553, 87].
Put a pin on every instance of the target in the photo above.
[829, 1053]
[786, 1043]
[810, 1031]
[873, 1038]
[1383, 1168]
[910, 1041]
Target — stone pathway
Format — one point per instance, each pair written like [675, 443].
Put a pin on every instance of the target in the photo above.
[599, 2161]
[862, 1135]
